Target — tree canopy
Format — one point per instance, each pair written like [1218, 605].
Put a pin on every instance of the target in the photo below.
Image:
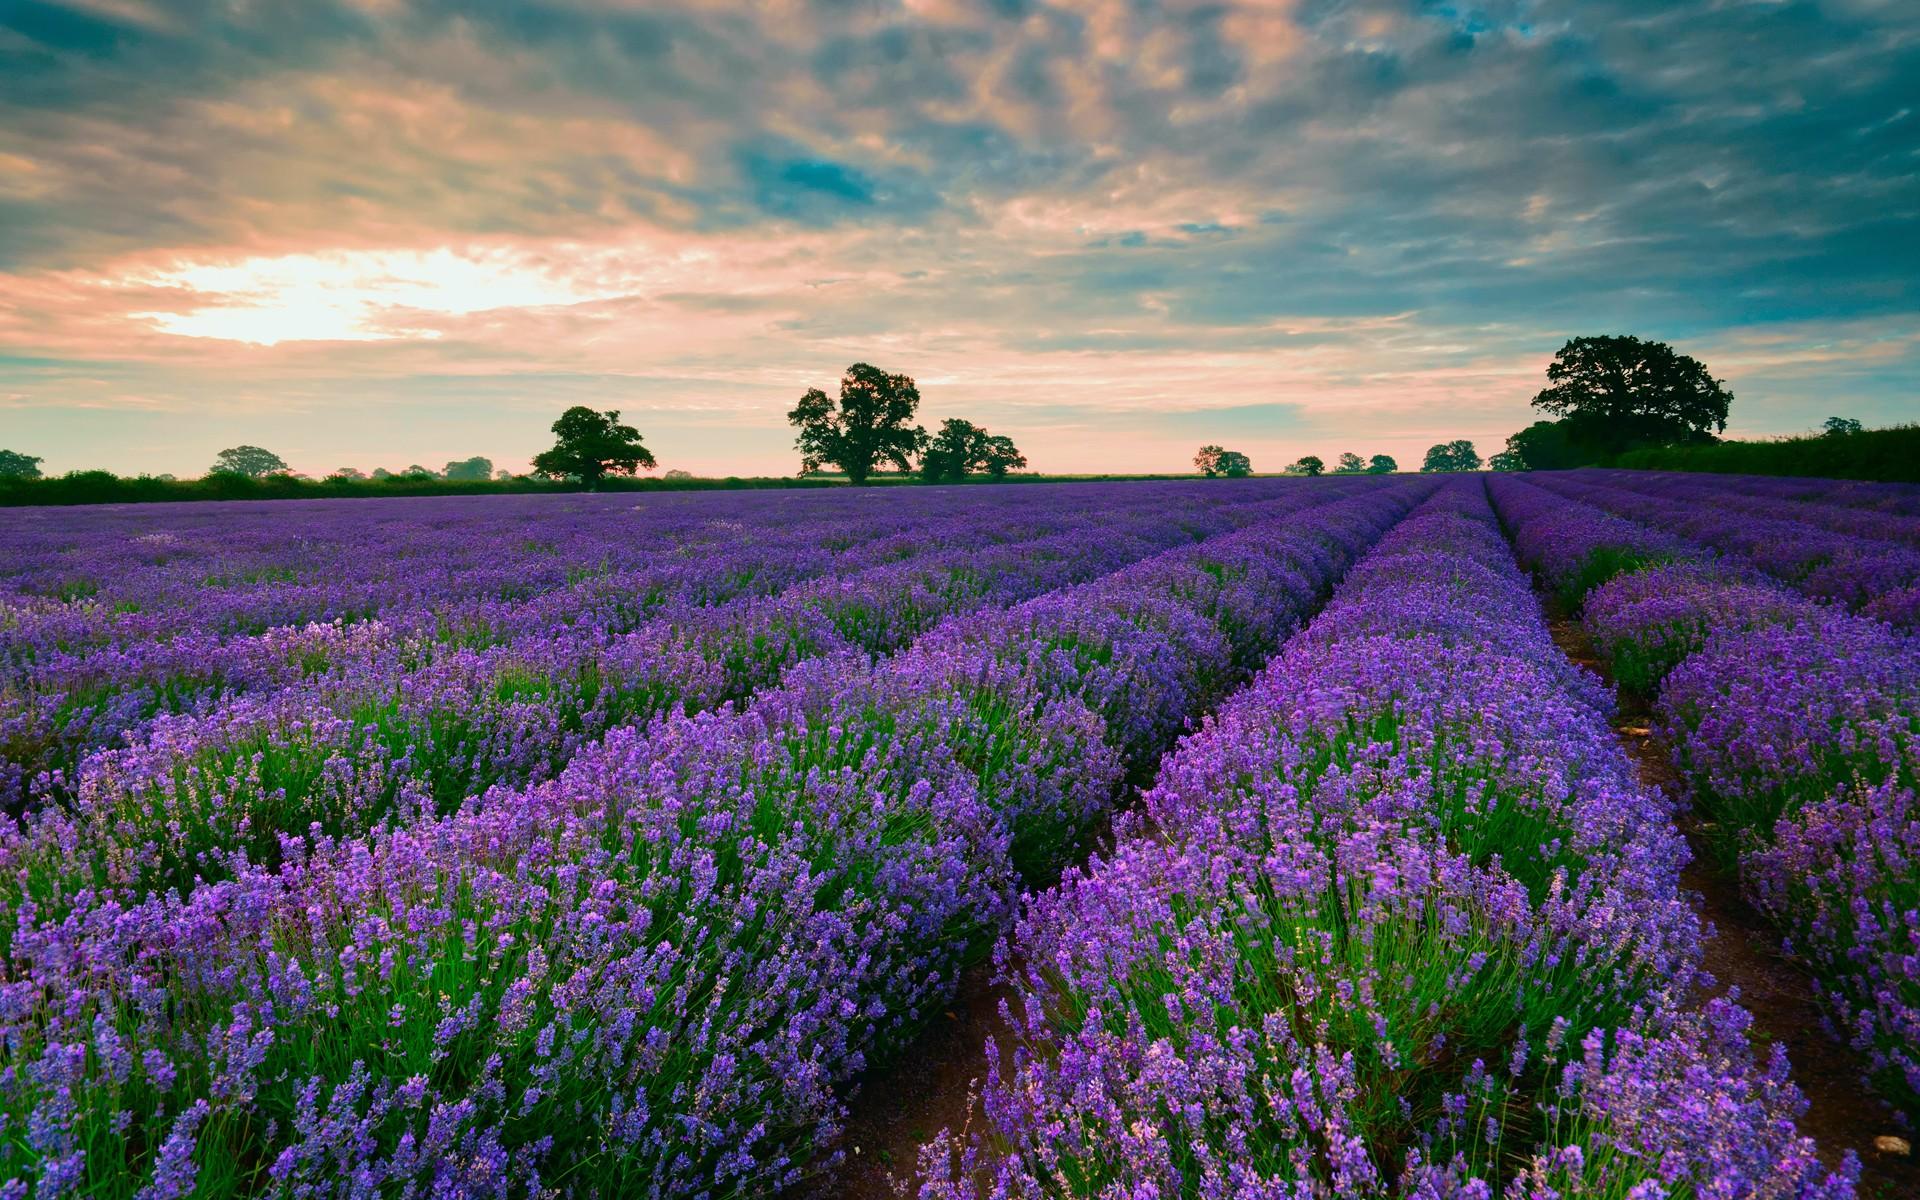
[1457, 455]
[1506, 460]
[469, 468]
[1618, 393]
[250, 461]
[870, 425]
[1216, 461]
[1307, 464]
[962, 448]
[1350, 464]
[1831, 427]
[590, 445]
[15, 465]
[1544, 446]
[1382, 464]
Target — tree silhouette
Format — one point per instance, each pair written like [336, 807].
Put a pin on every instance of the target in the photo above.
[1456, 455]
[469, 469]
[1616, 393]
[962, 448]
[1543, 446]
[1382, 464]
[1840, 426]
[1308, 465]
[15, 465]
[249, 461]
[1215, 461]
[590, 445]
[870, 425]
[1350, 464]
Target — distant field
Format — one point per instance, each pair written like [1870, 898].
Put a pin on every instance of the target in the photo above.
[661, 844]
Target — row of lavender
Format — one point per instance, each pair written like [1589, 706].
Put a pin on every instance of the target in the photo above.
[1818, 549]
[1399, 922]
[715, 621]
[206, 796]
[482, 623]
[654, 973]
[1796, 727]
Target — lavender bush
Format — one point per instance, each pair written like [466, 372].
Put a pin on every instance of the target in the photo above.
[653, 972]
[1398, 921]
[1796, 727]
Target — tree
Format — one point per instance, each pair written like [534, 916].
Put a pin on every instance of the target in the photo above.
[589, 445]
[962, 448]
[1382, 464]
[468, 469]
[1506, 460]
[1456, 455]
[1350, 464]
[15, 465]
[678, 474]
[1544, 446]
[1215, 461]
[250, 461]
[382, 473]
[1618, 393]
[1832, 427]
[502, 475]
[869, 426]
[416, 471]
[347, 473]
[1308, 465]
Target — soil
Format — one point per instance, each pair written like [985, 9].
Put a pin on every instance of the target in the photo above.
[898, 1109]
[1743, 952]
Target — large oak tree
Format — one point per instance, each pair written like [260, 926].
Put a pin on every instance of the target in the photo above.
[871, 424]
[1616, 393]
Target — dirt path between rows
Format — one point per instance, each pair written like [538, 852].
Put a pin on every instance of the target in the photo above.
[934, 1086]
[1743, 951]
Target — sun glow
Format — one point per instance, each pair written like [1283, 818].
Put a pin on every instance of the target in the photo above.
[352, 295]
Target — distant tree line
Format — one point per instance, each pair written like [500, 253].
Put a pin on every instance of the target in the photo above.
[1607, 397]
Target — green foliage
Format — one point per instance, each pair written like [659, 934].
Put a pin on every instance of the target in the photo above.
[471, 468]
[15, 465]
[962, 448]
[1350, 464]
[248, 462]
[870, 425]
[1382, 464]
[1883, 455]
[1546, 446]
[1308, 465]
[1841, 427]
[590, 445]
[1457, 455]
[1618, 393]
[1217, 461]
[1506, 460]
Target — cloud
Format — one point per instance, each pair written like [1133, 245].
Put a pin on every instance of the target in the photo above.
[1328, 214]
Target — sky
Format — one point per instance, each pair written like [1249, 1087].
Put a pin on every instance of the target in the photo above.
[381, 232]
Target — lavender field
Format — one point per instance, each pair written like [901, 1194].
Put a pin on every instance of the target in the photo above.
[608, 845]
